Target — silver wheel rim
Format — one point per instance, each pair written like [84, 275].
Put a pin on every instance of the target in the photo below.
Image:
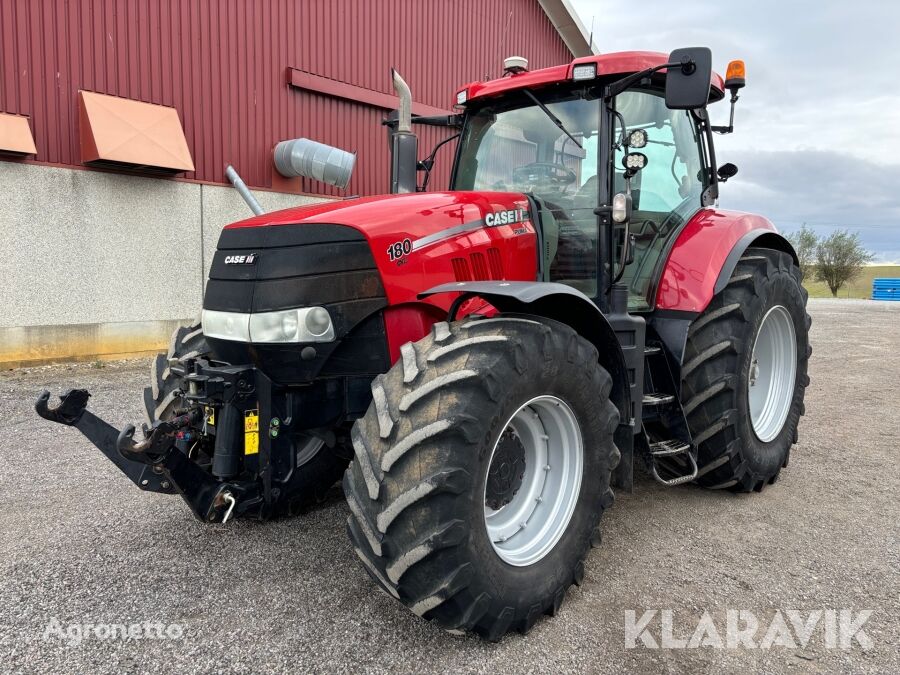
[773, 368]
[528, 527]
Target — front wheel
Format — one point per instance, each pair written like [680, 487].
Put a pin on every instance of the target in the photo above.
[482, 468]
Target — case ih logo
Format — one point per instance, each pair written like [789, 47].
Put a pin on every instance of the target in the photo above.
[248, 259]
[505, 217]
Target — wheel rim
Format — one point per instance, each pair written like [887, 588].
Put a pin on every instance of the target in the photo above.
[773, 368]
[307, 447]
[536, 507]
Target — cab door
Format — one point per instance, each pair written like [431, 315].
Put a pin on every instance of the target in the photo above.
[667, 192]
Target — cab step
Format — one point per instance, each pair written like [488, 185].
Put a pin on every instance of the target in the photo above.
[671, 448]
[657, 399]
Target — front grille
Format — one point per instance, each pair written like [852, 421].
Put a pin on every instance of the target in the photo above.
[294, 266]
[300, 266]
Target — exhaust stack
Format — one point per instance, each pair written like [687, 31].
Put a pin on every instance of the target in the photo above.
[403, 142]
[404, 109]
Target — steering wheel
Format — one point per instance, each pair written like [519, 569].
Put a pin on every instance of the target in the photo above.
[550, 174]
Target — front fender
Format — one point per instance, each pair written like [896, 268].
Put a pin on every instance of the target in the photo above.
[558, 302]
[705, 254]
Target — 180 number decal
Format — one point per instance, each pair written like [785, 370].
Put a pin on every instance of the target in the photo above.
[399, 249]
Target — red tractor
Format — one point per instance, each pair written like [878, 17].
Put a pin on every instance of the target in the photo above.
[482, 365]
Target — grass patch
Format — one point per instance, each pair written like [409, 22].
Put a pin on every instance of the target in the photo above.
[860, 287]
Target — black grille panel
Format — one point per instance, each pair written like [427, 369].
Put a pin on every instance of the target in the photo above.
[279, 263]
[300, 266]
[276, 236]
[294, 266]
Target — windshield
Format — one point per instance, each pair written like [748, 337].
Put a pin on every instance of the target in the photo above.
[519, 148]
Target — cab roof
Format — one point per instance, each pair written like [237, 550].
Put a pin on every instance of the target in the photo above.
[616, 63]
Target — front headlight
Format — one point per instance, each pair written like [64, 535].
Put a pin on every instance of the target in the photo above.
[306, 324]
[226, 325]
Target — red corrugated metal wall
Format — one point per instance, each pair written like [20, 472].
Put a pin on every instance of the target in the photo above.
[222, 64]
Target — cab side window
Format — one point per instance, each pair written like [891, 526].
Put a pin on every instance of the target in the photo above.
[674, 170]
[667, 191]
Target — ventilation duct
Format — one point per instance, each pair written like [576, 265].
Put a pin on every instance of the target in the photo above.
[309, 159]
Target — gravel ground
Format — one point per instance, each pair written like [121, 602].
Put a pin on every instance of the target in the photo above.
[79, 544]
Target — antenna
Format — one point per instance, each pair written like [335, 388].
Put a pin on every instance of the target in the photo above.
[591, 38]
[503, 41]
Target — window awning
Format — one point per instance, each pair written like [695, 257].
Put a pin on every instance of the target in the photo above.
[15, 135]
[120, 132]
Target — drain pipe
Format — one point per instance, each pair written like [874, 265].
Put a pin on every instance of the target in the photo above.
[243, 190]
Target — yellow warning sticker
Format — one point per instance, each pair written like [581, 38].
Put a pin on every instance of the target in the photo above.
[251, 432]
[211, 416]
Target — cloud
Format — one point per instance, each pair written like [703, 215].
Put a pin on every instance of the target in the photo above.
[822, 188]
[817, 129]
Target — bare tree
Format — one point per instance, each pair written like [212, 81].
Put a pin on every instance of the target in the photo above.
[839, 258]
[805, 243]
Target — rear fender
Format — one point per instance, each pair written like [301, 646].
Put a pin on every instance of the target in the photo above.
[759, 239]
[705, 254]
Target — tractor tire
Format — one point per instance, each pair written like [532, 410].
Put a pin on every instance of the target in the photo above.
[744, 424]
[159, 397]
[320, 466]
[481, 415]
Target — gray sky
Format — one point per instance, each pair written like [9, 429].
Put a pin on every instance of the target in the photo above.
[818, 125]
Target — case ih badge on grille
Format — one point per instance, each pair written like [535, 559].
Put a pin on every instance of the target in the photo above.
[248, 259]
[489, 397]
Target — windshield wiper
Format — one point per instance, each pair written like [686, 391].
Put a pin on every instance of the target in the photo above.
[553, 118]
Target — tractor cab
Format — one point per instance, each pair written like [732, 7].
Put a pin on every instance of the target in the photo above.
[564, 136]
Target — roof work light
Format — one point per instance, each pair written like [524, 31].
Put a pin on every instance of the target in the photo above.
[584, 71]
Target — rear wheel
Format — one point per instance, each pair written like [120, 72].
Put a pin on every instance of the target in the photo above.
[319, 467]
[745, 373]
[482, 468]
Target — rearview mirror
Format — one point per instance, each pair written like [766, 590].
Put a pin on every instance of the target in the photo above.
[726, 171]
[687, 87]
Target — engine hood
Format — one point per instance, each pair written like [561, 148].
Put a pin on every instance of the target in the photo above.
[424, 239]
[411, 215]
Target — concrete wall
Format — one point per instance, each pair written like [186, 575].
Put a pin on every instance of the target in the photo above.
[99, 265]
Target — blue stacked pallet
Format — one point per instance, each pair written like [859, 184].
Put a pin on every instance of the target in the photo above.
[886, 289]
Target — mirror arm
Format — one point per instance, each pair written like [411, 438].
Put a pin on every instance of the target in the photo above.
[427, 164]
[711, 193]
[619, 86]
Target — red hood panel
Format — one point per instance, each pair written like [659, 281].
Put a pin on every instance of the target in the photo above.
[421, 212]
[425, 239]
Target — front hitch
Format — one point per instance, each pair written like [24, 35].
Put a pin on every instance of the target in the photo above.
[155, 463]
[72, 405]
[158, 441]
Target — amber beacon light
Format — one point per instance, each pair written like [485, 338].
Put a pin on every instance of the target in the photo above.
[734, 76]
